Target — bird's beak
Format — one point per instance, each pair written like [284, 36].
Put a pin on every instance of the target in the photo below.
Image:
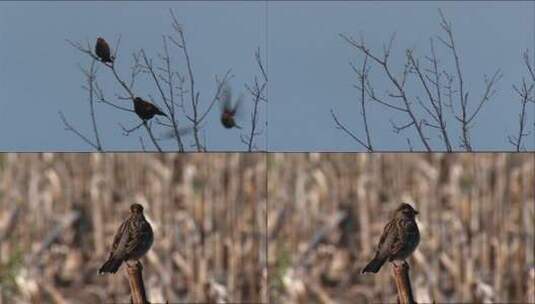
[416, 212]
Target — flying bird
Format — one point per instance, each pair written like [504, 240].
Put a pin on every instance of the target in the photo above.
[132, 240]
[229, 110]
[102, 49]
[399, 239]
[146, 110]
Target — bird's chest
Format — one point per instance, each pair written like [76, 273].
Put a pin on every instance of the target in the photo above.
[412, 235]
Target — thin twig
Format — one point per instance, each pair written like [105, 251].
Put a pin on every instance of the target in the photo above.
[399, 85]
[152, 138]
[168, 101]
[435, 101]
[341, 126]
[193, 94]
[465, 118]
[128, 89]
[91, 82]
[257, 91]
[525, 93]
[70, 128]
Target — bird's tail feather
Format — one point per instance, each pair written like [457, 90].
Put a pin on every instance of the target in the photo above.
[111, 266]
[374, 265]
[162, 114]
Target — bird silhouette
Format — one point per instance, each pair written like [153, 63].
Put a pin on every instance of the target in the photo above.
[102, 49]
[228, 109]
[146, 110]
[131, 241]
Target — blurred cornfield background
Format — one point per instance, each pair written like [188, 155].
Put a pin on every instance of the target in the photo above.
[59, 212]
[477, 220]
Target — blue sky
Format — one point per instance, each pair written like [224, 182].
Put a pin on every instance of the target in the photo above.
[306, 60]
[310, 72]
[41, 76]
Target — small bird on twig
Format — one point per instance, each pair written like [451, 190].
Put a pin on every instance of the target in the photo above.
[132, 240]
[399, 239]
[102, 49]
[146, 110]
[228, 109]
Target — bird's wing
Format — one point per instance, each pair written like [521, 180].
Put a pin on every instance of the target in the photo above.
[237, 107]
[387, 238]
[120, 238]
[147, 106]
[397, 243]
[225, 96]
[150, 107]
[102, 49]
[406, 228]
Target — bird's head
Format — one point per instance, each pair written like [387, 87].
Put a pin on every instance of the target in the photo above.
[136, 208]
[406, 211]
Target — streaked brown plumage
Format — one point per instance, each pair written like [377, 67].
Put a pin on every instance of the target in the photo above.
[399, 239]
[228, 111]
[146, 110]
[132, 240]
[102, 49]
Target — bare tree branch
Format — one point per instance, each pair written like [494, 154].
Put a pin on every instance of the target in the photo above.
[465, 118]
[257, 92]
[525, 92]
[152, 138]
[441, 88]
[363, 81]
[168, 79]
[435, 100]
[90, 76]
[348, 132]
[399, 85]
[181, 44]
[128, 131]
[197, 116]
[70, 128]
[127, 88]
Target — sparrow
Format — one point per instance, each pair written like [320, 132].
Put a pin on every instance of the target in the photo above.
[228, 111]
[102, 49]
[399, 239]
[132, 240]
[146, 110]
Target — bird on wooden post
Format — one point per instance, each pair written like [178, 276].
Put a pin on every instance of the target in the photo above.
[102, 50]
[399, 239]
[131, 242]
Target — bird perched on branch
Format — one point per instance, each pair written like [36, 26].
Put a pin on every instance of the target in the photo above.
[228, 109]
[102, 49]
[146, 110]
[132, 240]
[399, 239]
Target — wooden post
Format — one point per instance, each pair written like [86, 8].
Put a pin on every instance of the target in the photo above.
[403, 283]
[135, 279]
